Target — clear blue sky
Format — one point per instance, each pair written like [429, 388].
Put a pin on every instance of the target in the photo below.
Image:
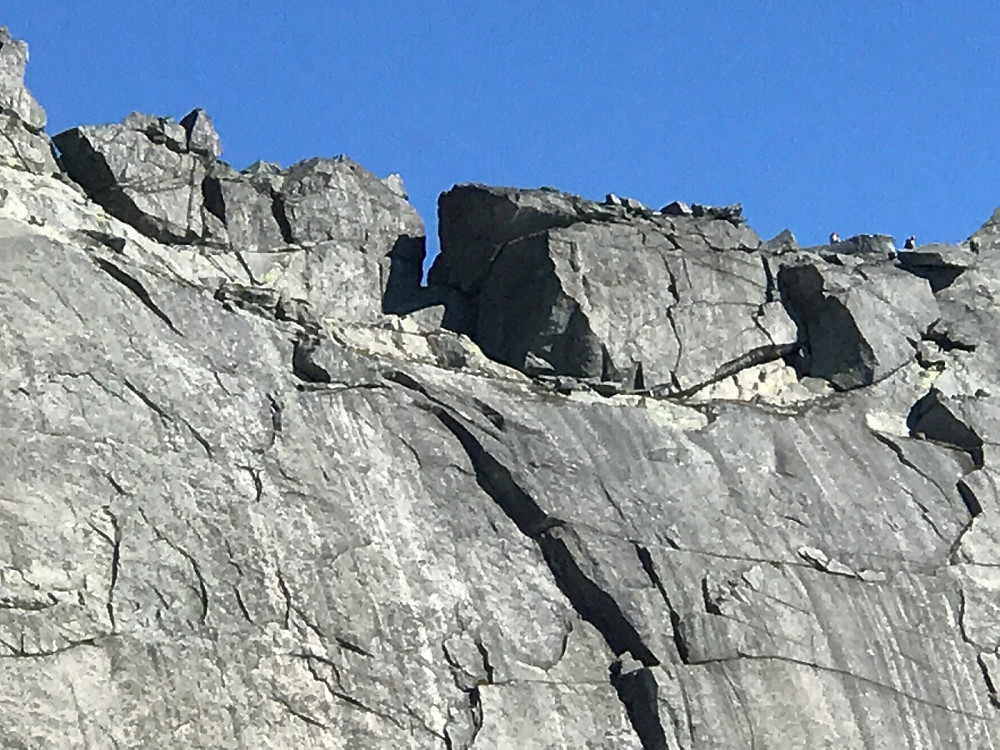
[877, 116]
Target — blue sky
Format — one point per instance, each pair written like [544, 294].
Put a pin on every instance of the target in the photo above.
[872, 116]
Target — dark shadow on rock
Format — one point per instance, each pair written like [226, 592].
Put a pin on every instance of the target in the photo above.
[88, 168]
[931, 418]
[830, 345]
[211, 194]
[433, 305]
[939, 277]
[637, 690]
[403, 293]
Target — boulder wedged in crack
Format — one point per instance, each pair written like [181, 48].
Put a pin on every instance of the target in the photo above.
[637, 690]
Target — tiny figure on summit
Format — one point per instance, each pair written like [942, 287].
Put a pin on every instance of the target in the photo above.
[911, 242]
[834, 238]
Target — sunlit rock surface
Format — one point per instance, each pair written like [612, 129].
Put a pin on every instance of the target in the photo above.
[651, 485]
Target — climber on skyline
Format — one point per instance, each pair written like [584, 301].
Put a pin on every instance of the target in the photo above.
[834, 238]
[911, 242]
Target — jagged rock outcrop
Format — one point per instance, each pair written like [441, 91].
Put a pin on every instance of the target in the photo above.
[23, 145]
[325, 231]
[238, 514]
[552, 283]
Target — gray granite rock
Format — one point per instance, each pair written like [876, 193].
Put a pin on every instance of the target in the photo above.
[140, 172]
[241, 509]
[338, 203]
[881, 245]
[200, 134]
[856, 324]
[23, 145]
[939, 263]
[987, 237]
[650, 302]
[308, 230]
[783, 242]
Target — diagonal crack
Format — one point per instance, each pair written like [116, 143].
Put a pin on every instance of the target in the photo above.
[561, 551]
[842, 673]
[680, 641]
[136, 287]
[163, 414]
[901, 456]
[298, 714]
[202, 588]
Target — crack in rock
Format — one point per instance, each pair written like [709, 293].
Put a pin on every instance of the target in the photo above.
[202, 589]
[115, 540]
[167, 417]
[560, 549]
[136, 287]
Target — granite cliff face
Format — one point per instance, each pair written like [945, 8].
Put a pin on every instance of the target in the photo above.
[616, 478]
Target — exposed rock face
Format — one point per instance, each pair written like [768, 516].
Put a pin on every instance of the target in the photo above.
[324, 230]
[22, 119]
[142, 172]
[558, 284]
[239, 514]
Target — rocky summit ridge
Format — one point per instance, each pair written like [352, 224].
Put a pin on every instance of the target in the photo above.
[615, 477]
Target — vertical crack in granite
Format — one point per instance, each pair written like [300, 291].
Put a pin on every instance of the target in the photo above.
[677, 626]
[115, 540]
[281, 217]
[637, 690]
[202, 588]
[213, 199]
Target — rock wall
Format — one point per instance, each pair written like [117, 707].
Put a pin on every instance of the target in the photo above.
[653, 483]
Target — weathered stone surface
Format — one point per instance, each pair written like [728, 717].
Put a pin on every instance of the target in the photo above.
[783, 242]
[856, 324]
[242, 510]
[588, 291]
[141, 173]
[250, 208]
[940, 264]
[338, 202]
[200, 134]
[23, 145]
[987, 237]
[325, 230]
[866, 244]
